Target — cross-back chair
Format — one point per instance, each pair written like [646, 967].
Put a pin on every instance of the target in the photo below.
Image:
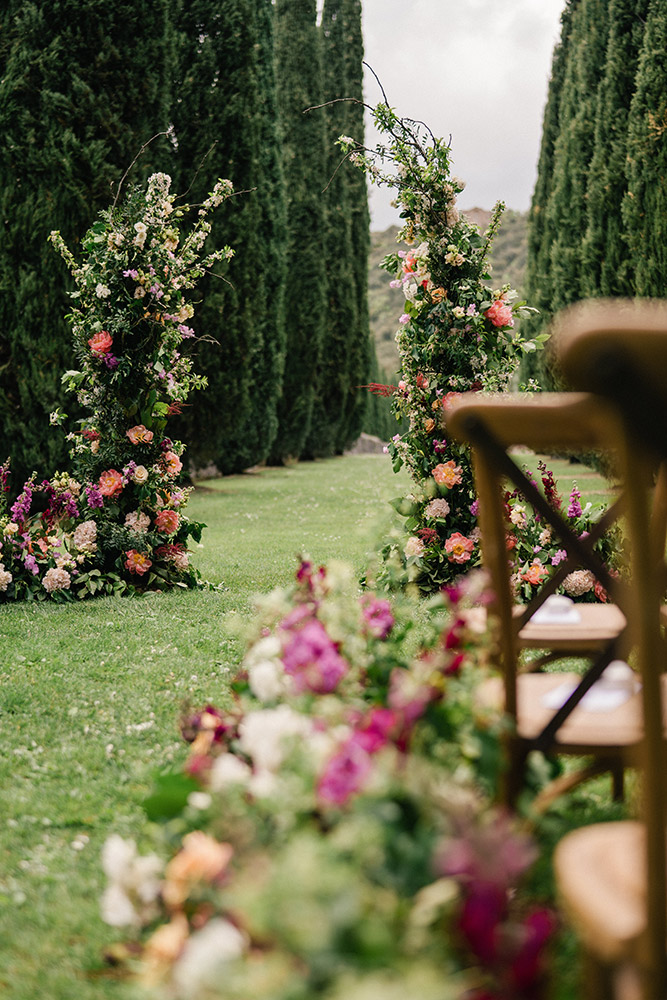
[611, 877]
[493, 425]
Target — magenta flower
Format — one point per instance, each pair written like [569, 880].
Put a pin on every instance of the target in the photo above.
[345, 774]
[377, 615]
[574, 510]
[373, 732]
[312, 660]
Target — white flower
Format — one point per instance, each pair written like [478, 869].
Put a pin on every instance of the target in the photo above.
[545, 536]
[414, 546]
[437, 508]
[264, 735]
[85, 536]
[11, 528]
[140, 475]
[129, 899]
[139, 292]
[200, 967]
[579, 582]
[102, 291]
[518, 516]
[136, 520]
[459, 312]
[5, 577]
[267, 679]
[228, 769]
[56, 579]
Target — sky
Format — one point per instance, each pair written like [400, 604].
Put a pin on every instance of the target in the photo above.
[477, 70]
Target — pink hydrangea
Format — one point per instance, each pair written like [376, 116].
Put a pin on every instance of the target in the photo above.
[312, 660]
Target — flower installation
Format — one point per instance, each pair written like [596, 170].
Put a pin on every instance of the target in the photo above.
[535, 553]
[117, 522]
[456, 334]
[330, 835]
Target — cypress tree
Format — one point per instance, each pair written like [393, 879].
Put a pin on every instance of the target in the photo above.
[302, 141]
[540, 229]
[224, 121]
[340, 326]
[606, 268]
[645, 205]
[83, 85]
[573, 149]
[361, 347]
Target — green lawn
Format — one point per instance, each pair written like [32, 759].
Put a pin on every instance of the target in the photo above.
[90, 697]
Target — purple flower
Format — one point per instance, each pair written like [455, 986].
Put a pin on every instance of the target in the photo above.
[558, 557]
[345, 774]
[132, 273]
[311, 658]
[377, 615]
[31, 564]
[94, 497]
[574, 509]
[404, 319]
[111, 361]
[471, 310]
[21, 507]
[474, 508]
[185, 331]
[439, 447]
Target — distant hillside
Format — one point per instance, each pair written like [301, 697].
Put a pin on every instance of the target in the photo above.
[508, 264]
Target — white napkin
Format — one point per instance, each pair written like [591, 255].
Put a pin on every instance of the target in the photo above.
[558, 609]
[616, 685]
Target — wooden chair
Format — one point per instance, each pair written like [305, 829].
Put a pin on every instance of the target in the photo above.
[574, 421]
[611, 877]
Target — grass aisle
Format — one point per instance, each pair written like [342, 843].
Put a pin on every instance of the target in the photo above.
[90, 697]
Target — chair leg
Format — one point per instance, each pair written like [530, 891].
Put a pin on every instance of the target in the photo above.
[617, 785]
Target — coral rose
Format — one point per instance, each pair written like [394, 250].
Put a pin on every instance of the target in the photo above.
[447, 474]
[500, 314]
[459, 548]
[100, 343]
[140, 434]
[535, 573]
[201, 860]
[173, 463]
[111, 482]
[167, 522]
[137, 562]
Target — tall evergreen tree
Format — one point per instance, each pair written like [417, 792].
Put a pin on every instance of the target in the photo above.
[540, 224]
[341, 320]
[83, 84]
[606, 269]
[645, 205]
[225, 125]
[361, 347]
[573, 150]
[302, 140]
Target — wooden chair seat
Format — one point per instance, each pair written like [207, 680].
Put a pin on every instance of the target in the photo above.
[599, 623]
[616, 730]
[601, 877]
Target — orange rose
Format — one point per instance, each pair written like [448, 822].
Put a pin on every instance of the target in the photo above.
[100, 343]
[201, 859]
[429, 425]
[111, 482]
[167, 522]
[438, 294]
[137, 562]
[140, 434]
[447, 474]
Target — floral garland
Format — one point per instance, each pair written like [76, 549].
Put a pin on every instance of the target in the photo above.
[455, 335]
[329, 836]
[117, 521]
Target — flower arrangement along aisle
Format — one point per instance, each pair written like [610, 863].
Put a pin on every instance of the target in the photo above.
[456, 335]
[329, 837]
[118, 520]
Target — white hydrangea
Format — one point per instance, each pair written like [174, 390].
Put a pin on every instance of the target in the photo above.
[56, 579]
[134, 883]
[5, 577]
[85, 536]
[264, 735]
[201, 966]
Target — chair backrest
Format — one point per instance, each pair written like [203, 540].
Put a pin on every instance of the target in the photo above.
[619, 350]
[492, 424]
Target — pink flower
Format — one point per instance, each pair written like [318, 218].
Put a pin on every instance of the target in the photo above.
[137, 562]
[459, 548]
[345, 774]
[447, 474]
[500, 314]
[140, 434]
[377, 616]
[173, 463]
[372, 732]
[111, 483]
[311, 658]
[535, 573]
[167, 521]
[100, 343]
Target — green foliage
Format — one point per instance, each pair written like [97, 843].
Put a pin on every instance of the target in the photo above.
[645, 205]
[225, 121]
[82, 86]
[297, 53]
